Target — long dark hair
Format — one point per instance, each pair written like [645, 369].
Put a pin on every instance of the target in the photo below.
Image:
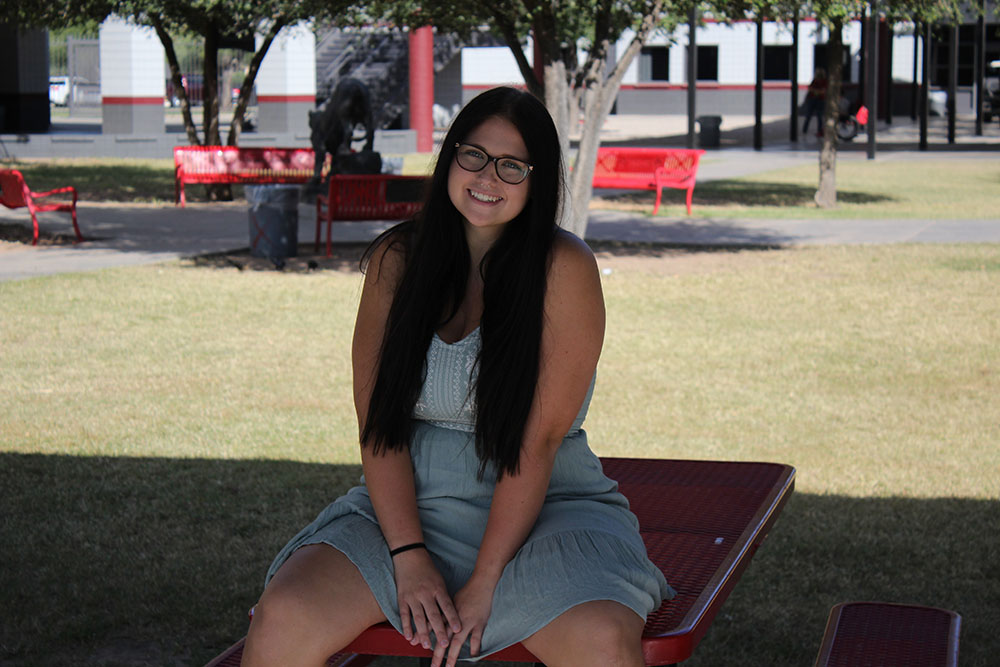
[434, 280]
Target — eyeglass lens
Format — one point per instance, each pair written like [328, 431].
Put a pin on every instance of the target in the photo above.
[473, 158]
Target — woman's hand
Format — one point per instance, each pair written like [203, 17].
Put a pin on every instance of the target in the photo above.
[474, 602]
[424, 603]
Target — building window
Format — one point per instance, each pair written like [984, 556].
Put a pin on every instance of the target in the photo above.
[708, 63]
[654, 63]
[819, 60]
[777, 63]
[941, 37]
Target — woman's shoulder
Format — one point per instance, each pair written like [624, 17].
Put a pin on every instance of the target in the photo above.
[386, 255]
[571, 253]
[573, 266]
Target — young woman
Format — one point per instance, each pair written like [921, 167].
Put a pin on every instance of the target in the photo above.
[483, 518]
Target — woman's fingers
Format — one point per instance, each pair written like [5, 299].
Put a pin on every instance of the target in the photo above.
[420, 619]
[404, 620]
[441, 633]
[439, 654]
[456, 646]
[475, 641]
[420, 624]
[447, 607]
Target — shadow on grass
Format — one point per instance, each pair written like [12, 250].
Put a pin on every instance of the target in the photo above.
[129, 561]
[741, 193]
[658, 250]
[344, 257]
[767, 193]
[123, 182]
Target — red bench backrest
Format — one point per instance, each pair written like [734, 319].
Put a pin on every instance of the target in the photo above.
[677, 163]
[234, 161]
[14, 191]
[375, 196]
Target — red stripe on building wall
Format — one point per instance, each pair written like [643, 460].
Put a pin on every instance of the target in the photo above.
[706, 85]
[658, 85]
[488, 86]
[286, 98]
[132, 101]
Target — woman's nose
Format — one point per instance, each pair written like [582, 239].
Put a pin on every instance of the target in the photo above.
[489, 172]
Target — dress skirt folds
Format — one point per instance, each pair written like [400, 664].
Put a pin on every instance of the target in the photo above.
[585, 545]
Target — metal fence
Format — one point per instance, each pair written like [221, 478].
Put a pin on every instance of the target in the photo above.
[75, 74]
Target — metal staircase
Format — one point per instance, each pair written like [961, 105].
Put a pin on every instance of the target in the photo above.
[379, 58]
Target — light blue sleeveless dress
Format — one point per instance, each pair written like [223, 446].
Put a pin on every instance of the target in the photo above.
[585, 545]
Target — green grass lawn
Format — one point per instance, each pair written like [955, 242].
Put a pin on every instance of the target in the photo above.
[165, 429]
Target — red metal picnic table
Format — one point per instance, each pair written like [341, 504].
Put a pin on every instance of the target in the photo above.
[702, 522]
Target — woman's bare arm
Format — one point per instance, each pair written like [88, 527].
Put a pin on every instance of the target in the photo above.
[424, 603]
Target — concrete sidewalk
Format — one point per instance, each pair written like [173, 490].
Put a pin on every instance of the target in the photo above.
[131, 235]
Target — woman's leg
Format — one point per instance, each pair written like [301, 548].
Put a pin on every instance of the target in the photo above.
[315, 605]
[597, 634]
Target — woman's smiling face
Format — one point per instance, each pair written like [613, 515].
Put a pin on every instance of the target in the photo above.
[484, 200]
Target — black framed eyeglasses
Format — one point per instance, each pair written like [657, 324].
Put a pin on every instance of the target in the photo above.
[509, 170]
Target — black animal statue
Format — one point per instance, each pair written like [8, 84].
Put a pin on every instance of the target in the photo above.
[333, 124]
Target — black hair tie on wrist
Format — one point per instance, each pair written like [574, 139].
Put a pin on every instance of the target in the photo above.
[406, 547]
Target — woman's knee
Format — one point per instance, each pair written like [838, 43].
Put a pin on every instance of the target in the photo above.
[315, 604]
[615, 640]
[601, 633]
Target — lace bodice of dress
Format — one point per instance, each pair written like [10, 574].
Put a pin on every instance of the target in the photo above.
[445, 399]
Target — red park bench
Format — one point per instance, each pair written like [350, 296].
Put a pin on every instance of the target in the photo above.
[236, 165]
[628, 168]
[367, 197]
[15, 193]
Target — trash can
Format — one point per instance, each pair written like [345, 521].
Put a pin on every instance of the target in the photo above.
[708, 135]
[274, 221]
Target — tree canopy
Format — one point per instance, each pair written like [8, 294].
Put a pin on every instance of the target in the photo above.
[569, 68]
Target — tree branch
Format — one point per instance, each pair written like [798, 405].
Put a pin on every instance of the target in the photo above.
[175, 77]
[246, 89]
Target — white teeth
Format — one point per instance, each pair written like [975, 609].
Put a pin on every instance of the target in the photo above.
[484, 198]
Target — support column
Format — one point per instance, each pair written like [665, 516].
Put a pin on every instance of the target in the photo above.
[422, 87]
[952, 80]
[24, 80]
[133, 78]
[286, 82]
[871, 76]
[793, 126]
[692, 72]
[925, 77]
[758, 87]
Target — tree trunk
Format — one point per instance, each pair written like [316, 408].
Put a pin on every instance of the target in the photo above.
[246, 89]
[176, 79]
[210, 89]
[826, 195]
[596, 89]
[210, 108]
[581, 182]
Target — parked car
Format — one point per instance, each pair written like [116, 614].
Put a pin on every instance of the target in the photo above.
[194, 84]
[59, 90]
[991, 91]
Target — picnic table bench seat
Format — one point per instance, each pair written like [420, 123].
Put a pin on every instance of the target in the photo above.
[862, 634]
[644, 168]
[234, 165]
[702, 521]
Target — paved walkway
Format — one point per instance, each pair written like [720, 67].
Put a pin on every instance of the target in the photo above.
[137, 234]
